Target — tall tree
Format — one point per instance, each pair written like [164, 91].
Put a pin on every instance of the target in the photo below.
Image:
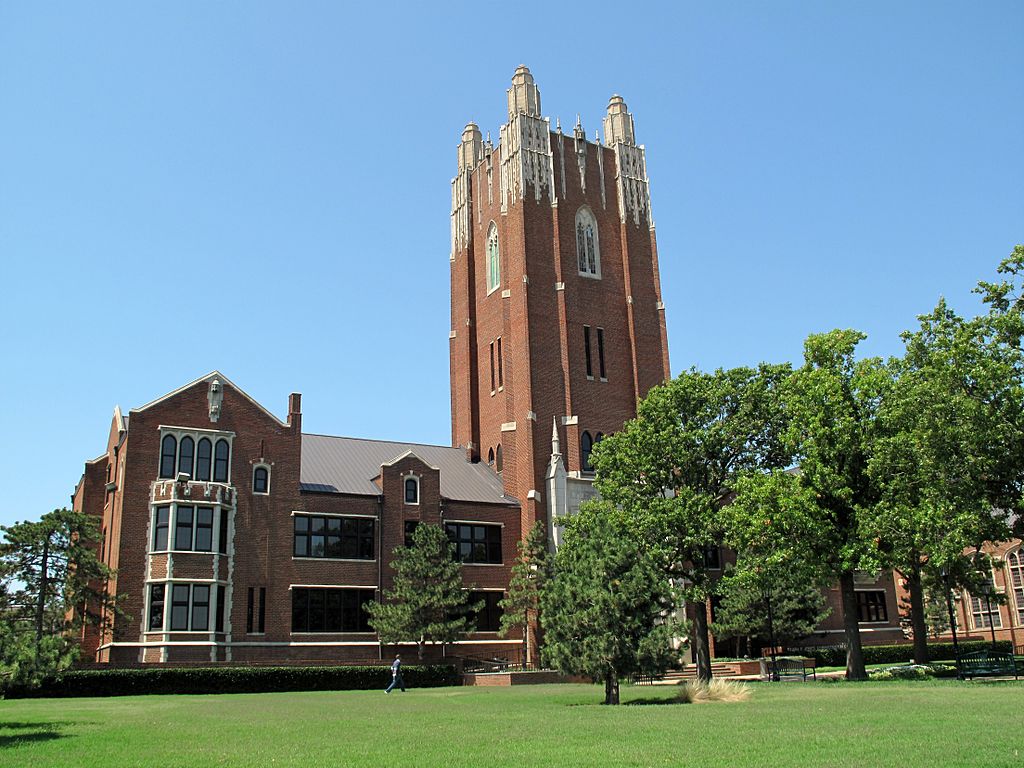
[521, 606]
[51, 583]
[832, 402]
[427, 602]
[768, 601]
[670, 470]
[949, 450]
[606, 609]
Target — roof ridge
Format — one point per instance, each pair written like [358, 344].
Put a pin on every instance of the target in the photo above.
[377, 440]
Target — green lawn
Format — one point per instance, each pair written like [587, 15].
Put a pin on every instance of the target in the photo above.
[927, 724]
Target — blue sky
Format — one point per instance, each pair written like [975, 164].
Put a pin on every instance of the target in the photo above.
[263, 189]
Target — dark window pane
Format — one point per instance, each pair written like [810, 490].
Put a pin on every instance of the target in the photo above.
[248, 612]
[179, 607]
[204, 529]
[222, 538]
[333, 547]
[259, 480]
[183, 529]
[316, 610]
[317, 525]
[410, 529]
[301, 545]
[333, 610]
[156, 607]
[200, 608]
[263, 609]
[168, 448]
[220, 609]
[186, 454]
[586, 346]
[586, 445]
[301, 524]
[412, 491]
[220, 461]
[203, 459]
[300, 610]
[160, 529]
[317, 546]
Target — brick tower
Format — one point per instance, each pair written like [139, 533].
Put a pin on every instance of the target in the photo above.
[558, 327]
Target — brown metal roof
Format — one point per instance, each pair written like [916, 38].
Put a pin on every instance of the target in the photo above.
[349, 464]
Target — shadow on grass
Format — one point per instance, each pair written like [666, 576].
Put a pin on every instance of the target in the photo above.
[15, 734]
[645, 702]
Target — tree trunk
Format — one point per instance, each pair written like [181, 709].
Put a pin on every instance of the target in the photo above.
[701, 650]
[854, 655]
[419, 649]
[44, 586]
[917, 624]
[611, 688]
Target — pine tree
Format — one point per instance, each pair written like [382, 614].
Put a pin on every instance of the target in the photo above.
[605, 610]
[521, 607]
[427, 602]
[51, 583]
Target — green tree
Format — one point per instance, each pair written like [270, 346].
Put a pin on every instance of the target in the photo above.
[427, 602]
[605, 610]
[670, 470]
[949, 450]
[770, 602]
[832, 403]
[51, 583]
[521, 606]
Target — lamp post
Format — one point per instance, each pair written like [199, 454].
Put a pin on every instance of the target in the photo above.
[774, 677]
[952, 621]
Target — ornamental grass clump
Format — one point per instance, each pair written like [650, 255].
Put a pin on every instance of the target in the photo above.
[698, 692]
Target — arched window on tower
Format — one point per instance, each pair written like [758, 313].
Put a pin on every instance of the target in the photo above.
[221, 452]
[497, 458]
[586, 446]
[493, 259]
[588, 250]
[490, 456]
[168, 449]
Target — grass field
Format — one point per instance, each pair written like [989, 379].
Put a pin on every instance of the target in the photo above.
[927, 724]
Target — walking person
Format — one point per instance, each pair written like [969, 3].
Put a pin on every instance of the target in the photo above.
[396, 675]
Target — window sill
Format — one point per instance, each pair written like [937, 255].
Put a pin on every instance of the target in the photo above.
[186, 552]
[484, 565]
[335, 559]
[605, 380]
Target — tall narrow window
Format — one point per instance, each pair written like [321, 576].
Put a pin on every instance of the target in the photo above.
[586, 446]
[588, 252]
[501, 371]
[586, 348]
[179, 607]
[985, 612]
[156, 607]
[222, 534]
[260, 480]
[493, 259]
[200, 607]
[186, 455]
[492, 367]
[497, 458]
[160, 527]
[183, 528]
[168, 449]
[600, 353]
[412, 490]
[249, 608]
[261, 624]
[203, 459]
[220, 461]
[219, 626]
[204, 529]
[490, 456]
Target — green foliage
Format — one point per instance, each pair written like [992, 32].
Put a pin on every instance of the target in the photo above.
[669, 471]
[427, 602]
[755, 592]
[605, 609]
[835, 656]
[51, 582]
[521, 606]
[205, 680]
[913, 672]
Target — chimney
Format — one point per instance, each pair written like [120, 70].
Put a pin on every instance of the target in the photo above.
[471, 453]
[295, 411]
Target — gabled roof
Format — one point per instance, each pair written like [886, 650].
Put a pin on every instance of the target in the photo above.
[349, 464]
[208, 377]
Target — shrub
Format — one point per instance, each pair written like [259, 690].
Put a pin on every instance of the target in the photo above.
[200, 680]
[835, 656]
[696, 692]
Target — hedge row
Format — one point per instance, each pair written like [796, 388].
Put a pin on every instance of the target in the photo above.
[835, 656]
[132, 682]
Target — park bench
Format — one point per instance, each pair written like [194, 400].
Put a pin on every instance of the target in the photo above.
[789, 668]
[988, 664]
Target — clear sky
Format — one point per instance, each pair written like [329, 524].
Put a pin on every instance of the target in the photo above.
[264, 189]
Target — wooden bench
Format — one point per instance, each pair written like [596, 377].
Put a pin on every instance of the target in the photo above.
[988, 664]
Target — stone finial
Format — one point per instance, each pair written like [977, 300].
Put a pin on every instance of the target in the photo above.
[618, 123]
[524, 95]
[215, 396]
[556, 449]
[471, 147]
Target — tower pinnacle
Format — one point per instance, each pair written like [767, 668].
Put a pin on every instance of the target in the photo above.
[618, 124]
[524, 95]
